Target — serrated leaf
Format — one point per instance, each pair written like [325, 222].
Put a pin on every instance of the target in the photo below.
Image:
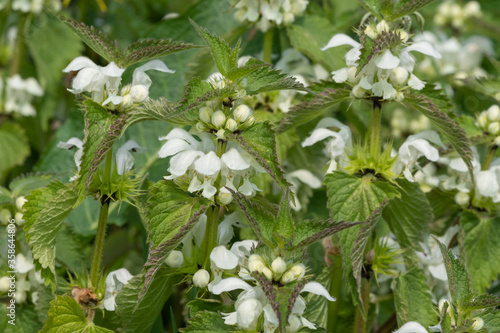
[195, 88]
[220, 49]
[199, 304]
[373, 6]
[413, 300]
[68, 316]
[207, 322]
[26, 320]
[407, 7]
[101, 131]
[95, 39]
[259, 141]
[265, 79]
[309, 110]
[458, 275]
[284, 225]
[310, 231]
[138, 315]
[13, 145]
[251, 65]
[171, 214]
[491, 320]
[45, 212]
[354, 199]
[150, 48]
[435, 106]
[24, 184]
[260, 219]
[481, 247]
[160, 109]
[409, 216]
[478, 302]
[486, 85]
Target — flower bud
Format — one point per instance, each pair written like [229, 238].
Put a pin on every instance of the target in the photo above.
[5, 216]
[482, 120]
[497, 141]
[241, 113]
[382, 26]
[370, 32]
[441, 304]
[493, 114]
[297, 272]
[403, 35]
[127, 101]
[201, 278]
[4, 284]
[494, 128]
[35, 296]
[125, 90]
[139, 93]
[231, 125]
[206, 114]
[218, 119]
[225, 198]
[175, 259]
[472, 8]
[201, 126]
[294, 324]
[462, 198]
[358, 92]
[20, 202]
[221, 134]
[250, 121]
[19, 219]
[278, 266]
[267, 273]
[399, 75]
[256, 266]
[478, 324]
[351, 74]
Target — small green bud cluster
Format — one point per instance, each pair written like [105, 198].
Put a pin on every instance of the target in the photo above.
[278, 270]
[489, 122]
[234, 119]
[373, 31]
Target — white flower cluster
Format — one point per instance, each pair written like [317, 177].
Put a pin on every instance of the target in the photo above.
[401, 124]
[26, 279]
[411, 150]
[104, 82]
[19, 94]
[389, 72]
[252, 308]
[198, 161]
[489, 122]
[266, 13]
[461, 58]
[452, 13]
[234, 119]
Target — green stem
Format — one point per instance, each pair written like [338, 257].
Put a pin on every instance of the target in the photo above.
[99, 242]
[359, 321]
[490, 155]
[19, 48]
[268, 45]
[375, 130]
[335, 291]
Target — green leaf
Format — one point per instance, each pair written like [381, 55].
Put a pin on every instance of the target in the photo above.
[171, 214]
[195, 89]
[478, 302]
[435, 106]
[265, 79]
[409, 216]
[489, 86]
[26, 320]
[309, 110]
[160, 109]
[138, 315]
[261, 220]
[101, 131]
[284, 225]
[413, 300]
[95, 39]
[199, 304]
[45, 212]
[207, 322]
[458, 275]
[373, 6]
[310, 231]
[251, 65]
[224, 58]
[354, 199]
[481, 248]
[150, 48]
[259, 141]
[24, 184]
[13, 145]
[491, 320]
[407, 7]
[66, 315]
[385, 40]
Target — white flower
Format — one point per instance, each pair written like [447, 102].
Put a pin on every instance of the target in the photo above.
[415, 147]
[201, 278]
[70, 144]
[225, 230]
[19, 94]
[197, 233]
[411, 327]
[336, 147]
[124, 158]
[278, 266]
[4, 284]
[175, 259]
[248, 314]
[221, 259]
[141, 82]
[296, 272]
[114, 284]
[301, 176]
[23, 264]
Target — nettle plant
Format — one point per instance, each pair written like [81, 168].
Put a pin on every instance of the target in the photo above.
[222, 169]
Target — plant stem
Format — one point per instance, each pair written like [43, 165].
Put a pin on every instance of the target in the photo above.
[335, 291]
[359, 321]
[99, 242]
[268, 45]
[490, 155]
[211, 234]
[18, 48]
[375, 130]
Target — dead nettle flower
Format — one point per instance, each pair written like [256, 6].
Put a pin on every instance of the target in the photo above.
[389, 72]
[19, 94]
[114, 284]
[198, 160]
[268, 13]
[104, 82]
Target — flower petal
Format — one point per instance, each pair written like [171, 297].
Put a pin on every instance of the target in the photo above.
[306, 177]
[208, 165]
[387, 60]
[340, 39]
[318, 135]
[411, 327]
[230, 284]
[424, 48]
[71, 143]
[182, 161]
[223, 258]
[79, 63]
[234, 161]
[318, 289]
[416, 83]
[112, 70]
